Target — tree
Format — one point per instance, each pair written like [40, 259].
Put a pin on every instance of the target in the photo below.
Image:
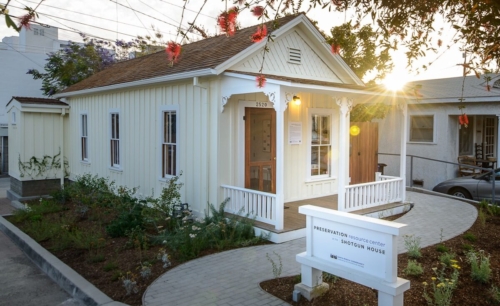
[76, 62]
[71, 65]
[358, 47]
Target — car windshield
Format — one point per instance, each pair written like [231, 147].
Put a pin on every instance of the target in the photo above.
[487, 175]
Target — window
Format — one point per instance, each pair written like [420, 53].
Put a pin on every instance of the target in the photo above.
[35, 31]
[115, 140]
[169, 143]
[422, 128]
[42, 32]
[320, 144]
[14, 118]
[84, 138]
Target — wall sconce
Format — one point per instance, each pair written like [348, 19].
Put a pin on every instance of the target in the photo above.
[296, 99]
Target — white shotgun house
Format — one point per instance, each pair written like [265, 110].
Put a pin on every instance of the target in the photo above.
[143, 121]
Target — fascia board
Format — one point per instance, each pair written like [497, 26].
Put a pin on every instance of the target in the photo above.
[455, 100]
[337, 58]
[298, 86]
[151, 81]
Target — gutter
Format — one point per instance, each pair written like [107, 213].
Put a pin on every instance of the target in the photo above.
[150, 81]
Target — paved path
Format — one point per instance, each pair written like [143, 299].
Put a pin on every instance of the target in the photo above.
[233, 277]
[21, 282]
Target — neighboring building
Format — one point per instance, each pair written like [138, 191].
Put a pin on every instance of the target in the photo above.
[434, 131]
[143, 121]
[18, 54]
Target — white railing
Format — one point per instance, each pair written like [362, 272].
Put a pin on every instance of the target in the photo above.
[387, 189]
[257, 204]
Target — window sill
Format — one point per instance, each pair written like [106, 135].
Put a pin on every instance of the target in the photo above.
[421, 143]
[115, 169]
[320, 179]
[85, 162]
[166, 179]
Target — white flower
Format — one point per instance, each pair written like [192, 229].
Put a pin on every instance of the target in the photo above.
[192, 235]
[164, 242]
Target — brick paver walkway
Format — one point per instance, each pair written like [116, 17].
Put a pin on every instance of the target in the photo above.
[233, 277]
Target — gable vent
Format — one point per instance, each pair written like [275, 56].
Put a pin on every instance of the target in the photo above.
[294, 56]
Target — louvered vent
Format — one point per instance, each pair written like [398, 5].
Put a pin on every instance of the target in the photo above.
[294, 56]
[496, 84]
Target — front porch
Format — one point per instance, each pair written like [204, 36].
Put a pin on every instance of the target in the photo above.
[294, 221]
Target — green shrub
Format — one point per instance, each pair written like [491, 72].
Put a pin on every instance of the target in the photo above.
[480, 266]
[448, 259]
[412, 245]
[110, 266]
[413, 268]
[467, 247]
[125, 221]
[495, 294]
[442, 286]
[441, 248]
[470, 237]
[330, 278]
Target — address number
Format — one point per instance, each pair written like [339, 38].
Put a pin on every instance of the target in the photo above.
[261, 104]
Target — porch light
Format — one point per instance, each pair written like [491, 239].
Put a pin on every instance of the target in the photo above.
[296, 99]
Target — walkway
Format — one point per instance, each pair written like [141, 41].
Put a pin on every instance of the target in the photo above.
[233, 277]
[21, 282]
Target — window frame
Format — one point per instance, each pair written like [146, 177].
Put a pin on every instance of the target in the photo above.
[323, 112]
[119, 134]
[163, 176]
[410, 117]
[84, 136]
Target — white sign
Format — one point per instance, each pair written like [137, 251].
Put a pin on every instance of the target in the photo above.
[350, 246]
[358, 248]
[295, 133]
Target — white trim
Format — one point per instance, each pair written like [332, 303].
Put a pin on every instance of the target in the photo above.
[150, 81]
[161, 110]
[84, 113]
[322, 112]
[455, 100]
[434, 128]
[116, 167]
[13, 118]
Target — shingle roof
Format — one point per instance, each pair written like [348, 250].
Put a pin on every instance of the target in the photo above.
[451, 88]
[30, 100]
[204, 54]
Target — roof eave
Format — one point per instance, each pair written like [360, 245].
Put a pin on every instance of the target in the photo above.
[150, 81]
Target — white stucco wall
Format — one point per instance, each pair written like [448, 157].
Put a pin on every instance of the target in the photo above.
[444, 147]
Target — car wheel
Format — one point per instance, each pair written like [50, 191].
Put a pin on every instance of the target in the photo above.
[460, 192]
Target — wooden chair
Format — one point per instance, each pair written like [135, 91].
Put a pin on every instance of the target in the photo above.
[479, 151]
[464, 163]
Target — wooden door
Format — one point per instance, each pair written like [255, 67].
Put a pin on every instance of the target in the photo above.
[260, 149]
[363, 153]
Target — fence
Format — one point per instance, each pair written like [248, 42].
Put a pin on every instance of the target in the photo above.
[387, 189]
[261, 205]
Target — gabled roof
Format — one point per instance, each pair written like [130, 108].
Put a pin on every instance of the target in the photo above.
[450, 89]
[204, 54]
[37, 101]
[210, 56]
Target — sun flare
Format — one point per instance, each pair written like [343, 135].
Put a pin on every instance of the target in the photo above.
[396, 80]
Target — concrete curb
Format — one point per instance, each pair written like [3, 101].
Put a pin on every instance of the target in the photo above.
[67, 278]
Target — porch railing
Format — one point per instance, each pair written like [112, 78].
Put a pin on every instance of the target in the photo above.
[387, 189]
[261, 205]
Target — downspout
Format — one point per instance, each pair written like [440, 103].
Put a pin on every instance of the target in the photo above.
[63, 113]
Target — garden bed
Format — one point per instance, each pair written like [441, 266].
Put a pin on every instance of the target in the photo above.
[483, 235]
[120, 243]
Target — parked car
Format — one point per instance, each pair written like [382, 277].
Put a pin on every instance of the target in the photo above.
[477, 187]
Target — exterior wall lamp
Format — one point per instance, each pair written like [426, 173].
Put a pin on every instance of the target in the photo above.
[296, 100]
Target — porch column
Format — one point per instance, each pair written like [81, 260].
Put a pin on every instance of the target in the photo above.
[345, 106]
[279, 106]
[402, 157]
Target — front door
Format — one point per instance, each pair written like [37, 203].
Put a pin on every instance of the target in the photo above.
[260, 149]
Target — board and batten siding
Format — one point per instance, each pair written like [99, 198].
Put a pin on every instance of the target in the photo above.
[312, 66]
[36, 135]
[140, 136]
[232, 144]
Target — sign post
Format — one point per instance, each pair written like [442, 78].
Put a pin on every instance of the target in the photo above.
[358, 248]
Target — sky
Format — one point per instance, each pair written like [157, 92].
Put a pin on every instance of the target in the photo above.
[110, 19]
